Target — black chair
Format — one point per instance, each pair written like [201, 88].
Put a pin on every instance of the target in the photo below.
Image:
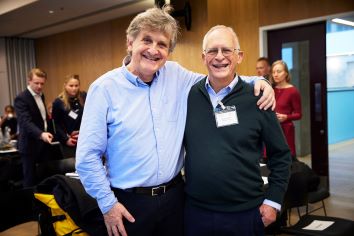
[53, 167]
[316, 196]
[296, 196]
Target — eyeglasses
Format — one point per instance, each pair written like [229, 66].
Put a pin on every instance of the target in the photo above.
[212, 52]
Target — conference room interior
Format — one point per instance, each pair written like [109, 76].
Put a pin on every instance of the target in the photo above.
[81, 44]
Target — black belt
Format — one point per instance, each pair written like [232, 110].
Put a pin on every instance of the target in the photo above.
[155, 190]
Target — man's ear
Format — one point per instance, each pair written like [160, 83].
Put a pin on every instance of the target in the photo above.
[239, 57]
[130, 41]
[203, 58]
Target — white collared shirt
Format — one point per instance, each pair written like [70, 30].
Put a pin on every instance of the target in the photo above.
[40, 104]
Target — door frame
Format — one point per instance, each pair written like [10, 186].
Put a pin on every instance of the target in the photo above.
[263, 47]
[263, 35]
[314, 90]
[263, 30]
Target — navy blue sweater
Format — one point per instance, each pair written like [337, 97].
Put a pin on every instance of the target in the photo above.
[222, 164]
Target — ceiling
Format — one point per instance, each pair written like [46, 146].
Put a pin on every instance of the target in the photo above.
[39, 18]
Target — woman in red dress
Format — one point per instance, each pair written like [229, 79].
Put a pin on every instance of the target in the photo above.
[288, 102]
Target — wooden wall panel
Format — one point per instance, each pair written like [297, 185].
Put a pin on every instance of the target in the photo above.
[277, 11]
[87, 52]
[188, 51]
[94, 50]
[242, 16]
[119, 48]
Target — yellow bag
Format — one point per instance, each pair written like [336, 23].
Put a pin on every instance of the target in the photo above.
[63, 224]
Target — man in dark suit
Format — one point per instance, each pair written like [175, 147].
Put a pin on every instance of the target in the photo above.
[32, 118]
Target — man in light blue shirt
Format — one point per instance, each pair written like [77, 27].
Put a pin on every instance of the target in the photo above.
[135, 116]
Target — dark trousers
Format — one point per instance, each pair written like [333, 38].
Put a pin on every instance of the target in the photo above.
[202, 222]
[29, 161]
[154, 215]
[29, 170]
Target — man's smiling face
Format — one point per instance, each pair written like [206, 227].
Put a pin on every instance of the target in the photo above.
[221, 66]
[149, 52]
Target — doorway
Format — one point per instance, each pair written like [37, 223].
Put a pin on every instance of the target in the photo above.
[303, 48]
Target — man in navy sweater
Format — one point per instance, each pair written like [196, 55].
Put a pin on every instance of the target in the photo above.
[223, 138]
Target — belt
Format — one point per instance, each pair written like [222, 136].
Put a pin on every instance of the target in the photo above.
[155, 190]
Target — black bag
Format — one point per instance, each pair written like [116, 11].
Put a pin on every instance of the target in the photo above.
[72, 198]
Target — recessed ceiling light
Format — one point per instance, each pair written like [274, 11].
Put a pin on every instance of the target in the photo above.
[344, 22]
[51, 11]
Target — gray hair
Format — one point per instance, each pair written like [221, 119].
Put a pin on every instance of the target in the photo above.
[155, 19]
[205, 39]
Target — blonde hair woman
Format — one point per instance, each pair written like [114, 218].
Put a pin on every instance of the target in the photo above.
[67, 113]
[288, 101]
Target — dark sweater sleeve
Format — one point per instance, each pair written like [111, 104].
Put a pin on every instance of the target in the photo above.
[279, 157]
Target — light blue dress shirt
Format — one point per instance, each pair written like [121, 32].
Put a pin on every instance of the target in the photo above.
[215, 98]
[138, 128]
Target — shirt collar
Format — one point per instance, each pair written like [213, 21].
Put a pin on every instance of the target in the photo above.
[32, 92]
[133, 78]
[228, 88]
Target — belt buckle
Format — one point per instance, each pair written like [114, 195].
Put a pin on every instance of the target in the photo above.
[162, 187]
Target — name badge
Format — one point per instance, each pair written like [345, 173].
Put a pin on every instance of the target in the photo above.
[226, 116]
[73, 115]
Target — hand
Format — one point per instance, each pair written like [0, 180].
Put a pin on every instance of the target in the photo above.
[267, 100]
[282, 117]
[113, 220]
[47, 137]
[268, 213]
[71, 142]
[74, 134]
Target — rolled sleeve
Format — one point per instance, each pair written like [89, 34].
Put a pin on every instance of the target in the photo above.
[91, 147]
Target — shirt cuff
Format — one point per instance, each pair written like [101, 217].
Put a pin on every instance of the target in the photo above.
[272, 204]
[107, 203]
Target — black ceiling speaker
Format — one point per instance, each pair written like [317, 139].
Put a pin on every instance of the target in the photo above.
[180, 10]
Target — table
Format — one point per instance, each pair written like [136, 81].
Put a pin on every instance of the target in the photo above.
[10, 168]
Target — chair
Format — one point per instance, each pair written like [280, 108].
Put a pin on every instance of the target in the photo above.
[53, 167]
[296, 196]
[319, 195]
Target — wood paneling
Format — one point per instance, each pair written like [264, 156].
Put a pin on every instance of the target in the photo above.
[277, 11]
[118, 35]
[93, 50]
[87, 52]
[242, 16]
[188, 51]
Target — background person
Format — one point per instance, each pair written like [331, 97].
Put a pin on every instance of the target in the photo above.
[223, 139]
[32, 118]
[67, 112]
[135, 116]
[9, 120]
[263, 67]
[288, 102]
